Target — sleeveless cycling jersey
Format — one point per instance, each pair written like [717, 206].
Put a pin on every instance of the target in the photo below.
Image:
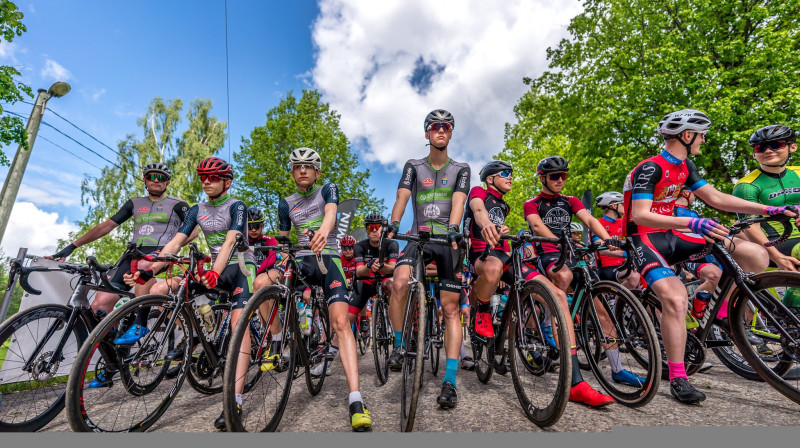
[306, 210]
[556, 212]
[432, 191]
[365, 254]
[659, 179]
[771, 189]
[154, 223]
[496, 207]
[614, 228]
[216, 219]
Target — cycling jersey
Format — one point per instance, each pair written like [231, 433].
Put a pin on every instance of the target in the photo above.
[771, 189]
[365, 254]
[498, 210]
[614, 228]
[349, 267]
[306, 210]
[556, 212]
[216, 219]
[432, 191]
[659, 179]
[154, 223]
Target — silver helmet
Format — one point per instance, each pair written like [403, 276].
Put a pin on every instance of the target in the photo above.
[683, 120]
[608, 198]
[305, 155]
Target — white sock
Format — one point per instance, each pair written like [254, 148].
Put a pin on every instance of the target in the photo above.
[277, 337]
[238, 398]
[613, 359]
[355, 396]
[334, 350]
[463, 353]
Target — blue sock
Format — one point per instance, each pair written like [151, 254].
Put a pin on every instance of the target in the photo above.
[398, 335]
[450, 373]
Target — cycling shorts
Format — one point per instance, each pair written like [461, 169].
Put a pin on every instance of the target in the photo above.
[333, 283]
[694, 267]
[547, 259]
[232, 280]
[445, 261]
[610, 273]
[362, 294]
[529, 271]
[657, 251]
[115, 275]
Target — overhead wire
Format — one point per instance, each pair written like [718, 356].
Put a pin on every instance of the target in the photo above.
[228, 82]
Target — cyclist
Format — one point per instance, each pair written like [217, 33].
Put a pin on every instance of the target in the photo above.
[221, 219]
[774, 183]
[576, 233]
[367, 263]
[438, 187]
[314, 208]
[156, 219]
[650, 192]
[549, 214]
[348, 244]
[608, 262]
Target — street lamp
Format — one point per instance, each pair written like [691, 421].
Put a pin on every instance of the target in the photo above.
[17, 169]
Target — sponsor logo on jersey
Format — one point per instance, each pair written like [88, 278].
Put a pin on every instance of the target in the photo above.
[144, 209]
[237, 290]
[432, 211]
[407, 177]
[335, 284]
[682, 176]
[146, 229]
[556, 218]
[444, 181]
[497, 216]
[427, 182]
[159, 209]
[786, 191]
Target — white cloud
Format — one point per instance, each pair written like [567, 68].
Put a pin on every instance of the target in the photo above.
[48, 193]
[35, 229]
[95, 96]
[7, 51]
[54, 71]
[383, 68]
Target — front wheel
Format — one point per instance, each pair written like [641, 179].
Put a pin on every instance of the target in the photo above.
[33, 383]
[413, 358]
[383, 338]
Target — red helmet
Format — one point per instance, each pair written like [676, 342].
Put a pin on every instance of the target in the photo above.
[347, 241]
[215, 165]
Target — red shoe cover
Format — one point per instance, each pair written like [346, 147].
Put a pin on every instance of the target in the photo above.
[583, 393]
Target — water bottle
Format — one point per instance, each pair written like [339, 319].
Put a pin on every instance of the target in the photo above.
[304, 313]
[700, 303]
[208, 317]
[502, 306]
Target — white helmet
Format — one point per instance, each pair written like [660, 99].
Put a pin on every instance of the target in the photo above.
[683, 120]
[305, 155]
[608, 198]
[575, 227]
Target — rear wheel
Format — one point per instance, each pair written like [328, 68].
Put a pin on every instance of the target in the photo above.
[317, 346]
[482, 353]
[413, 359]
[436, 339]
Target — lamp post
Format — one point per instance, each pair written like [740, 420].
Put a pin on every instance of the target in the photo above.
[17, 169]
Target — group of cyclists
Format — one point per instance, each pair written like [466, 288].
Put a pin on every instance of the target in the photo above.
[652, 210]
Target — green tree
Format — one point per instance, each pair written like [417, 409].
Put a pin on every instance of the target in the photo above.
[629, 62]
[16, 298]
[12, 129]
[161, 140]
[263, 178]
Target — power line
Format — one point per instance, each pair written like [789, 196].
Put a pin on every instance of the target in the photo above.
[67, 151]
[228, 82]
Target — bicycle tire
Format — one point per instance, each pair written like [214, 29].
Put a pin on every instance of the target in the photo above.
[264, 403]
[317, 346]
[643, 341]
[362, 342]
[548, 410]
[731, 358]
[789, 321]
[85, 414]
[383, 339]
[414, 357]
[199, 377]
[36, 413]
[435, 337]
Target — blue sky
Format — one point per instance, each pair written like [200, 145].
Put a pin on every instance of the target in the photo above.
[381, 68]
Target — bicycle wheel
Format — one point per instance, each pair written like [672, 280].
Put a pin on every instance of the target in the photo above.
[542, 392]
[361, 341]
[587, 347]
[436, 339]
[201, 373]
[33, 384]
[262, 404]
[782, 324]
[482, 353]
[134, 390]
[628, 337]
[318, 345]
[413, 356]
[694, 354]
[383, 339]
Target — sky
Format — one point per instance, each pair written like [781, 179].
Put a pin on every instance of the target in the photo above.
[381, 66]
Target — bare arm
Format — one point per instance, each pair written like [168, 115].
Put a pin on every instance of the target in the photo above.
[535, 221]
[96, 232]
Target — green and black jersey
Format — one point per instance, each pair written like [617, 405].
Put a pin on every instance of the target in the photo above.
[770, 189]
[432, 191]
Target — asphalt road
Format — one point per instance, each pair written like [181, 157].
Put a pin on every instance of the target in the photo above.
[732, 401]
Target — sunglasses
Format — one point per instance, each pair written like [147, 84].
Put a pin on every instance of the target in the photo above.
[255, 225]
[373, 227]
[304, 167]
[347, 247]
[436, 126]
[762, 147]
[156, 177]
[505, 174]
[210, 177]
[557, 176]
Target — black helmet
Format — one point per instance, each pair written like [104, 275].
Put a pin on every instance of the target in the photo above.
[374, 218]
[439, 116]
[494, 167]
[771, 133]
[157, 168]
[552, 164]
[255, 214]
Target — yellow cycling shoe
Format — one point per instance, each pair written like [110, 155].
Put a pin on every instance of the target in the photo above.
[359, 417]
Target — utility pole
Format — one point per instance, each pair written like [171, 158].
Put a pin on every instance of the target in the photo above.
[17, 169]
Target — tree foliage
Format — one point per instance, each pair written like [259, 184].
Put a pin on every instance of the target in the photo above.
[262, 177]
[161, 141]
[627, 63]
[12, 129]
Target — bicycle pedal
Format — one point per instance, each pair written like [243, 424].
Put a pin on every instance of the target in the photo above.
[329, 356]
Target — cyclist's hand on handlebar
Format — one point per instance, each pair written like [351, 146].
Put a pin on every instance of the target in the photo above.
[454, 236]
[63, 253]
[209, 279]
[392, 229]
[613, 244]
[317, 241]
[491, 235]
[787, 210]
[709, 228]
[787, 263]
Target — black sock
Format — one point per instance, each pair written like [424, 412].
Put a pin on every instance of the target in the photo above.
[142, 315]
[576, 371]
[483, 307]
